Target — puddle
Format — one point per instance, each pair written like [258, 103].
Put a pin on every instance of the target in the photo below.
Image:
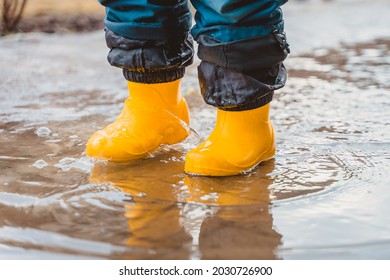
[324, 196]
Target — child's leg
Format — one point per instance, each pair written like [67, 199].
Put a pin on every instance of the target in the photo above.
[149, 41]
[242, 46]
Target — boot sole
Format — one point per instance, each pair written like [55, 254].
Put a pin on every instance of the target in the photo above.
[208, 172]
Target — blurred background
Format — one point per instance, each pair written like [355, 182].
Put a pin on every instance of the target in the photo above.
[51, 15]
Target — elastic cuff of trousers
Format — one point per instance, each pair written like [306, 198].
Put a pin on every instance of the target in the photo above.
[154, 77]
[150, 61]
[230, 90]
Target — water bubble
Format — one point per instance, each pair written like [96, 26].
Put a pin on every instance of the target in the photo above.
[83, 163]
[40, 163]
[42, 131]
[66, 163]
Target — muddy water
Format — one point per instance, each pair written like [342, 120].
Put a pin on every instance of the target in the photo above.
[325, 195]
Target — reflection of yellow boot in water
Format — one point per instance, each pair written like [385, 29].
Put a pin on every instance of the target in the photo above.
[241, 223]
[153, 217]
[239, 141]
[154, 114]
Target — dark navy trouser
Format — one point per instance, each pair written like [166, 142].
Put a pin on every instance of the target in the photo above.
[241, 44]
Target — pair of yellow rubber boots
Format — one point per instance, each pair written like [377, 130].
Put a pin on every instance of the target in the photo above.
[157, 114]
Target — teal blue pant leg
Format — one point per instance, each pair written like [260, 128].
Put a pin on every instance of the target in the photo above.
[233, 20]
[147, 19]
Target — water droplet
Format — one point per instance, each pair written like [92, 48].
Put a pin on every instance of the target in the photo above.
[40, 163]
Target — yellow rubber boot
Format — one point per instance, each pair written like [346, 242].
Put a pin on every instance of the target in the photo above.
[239, 142]
[153, 115]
